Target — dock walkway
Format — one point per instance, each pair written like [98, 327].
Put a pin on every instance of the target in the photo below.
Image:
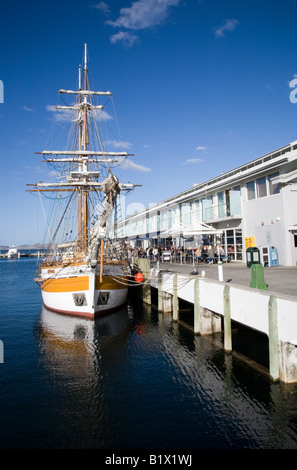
[280, 279]
[217, 304]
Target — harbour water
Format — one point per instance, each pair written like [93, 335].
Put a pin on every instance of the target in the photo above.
[130, 380]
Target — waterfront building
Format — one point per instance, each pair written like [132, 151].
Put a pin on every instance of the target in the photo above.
[254, 204]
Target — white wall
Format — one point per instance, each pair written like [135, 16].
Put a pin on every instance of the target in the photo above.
[264, 219]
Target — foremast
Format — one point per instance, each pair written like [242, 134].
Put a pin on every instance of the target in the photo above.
[84, 180]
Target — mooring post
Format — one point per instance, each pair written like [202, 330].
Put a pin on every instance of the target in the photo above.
[196, 307]
[147, 286]
[227, 320]
[175, 298]
[160, 292]
[273, 338]
[220, 271]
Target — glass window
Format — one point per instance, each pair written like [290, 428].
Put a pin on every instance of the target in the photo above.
[251, 190]
[206, 208]
[273, 188]
[235, 201]
[221, 202]
[261, 187]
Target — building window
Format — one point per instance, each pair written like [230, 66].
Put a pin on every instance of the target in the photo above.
[227, 195]
[235, 201]
[251, 190]
[206, 208]
[222, 206]
[261, 187]
[273, 188]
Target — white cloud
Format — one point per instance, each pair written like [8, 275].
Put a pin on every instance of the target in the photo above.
[193, 161]
[142, 14]
[130, 165]
[127, 39]
[201, 148]
[60, 115]
[27, 109]
[119, 144]
[102, 6]
[228, 25]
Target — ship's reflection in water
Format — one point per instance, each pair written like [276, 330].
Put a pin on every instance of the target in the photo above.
[134, 379]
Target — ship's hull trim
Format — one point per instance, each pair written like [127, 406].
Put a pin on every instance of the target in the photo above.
[87, 296]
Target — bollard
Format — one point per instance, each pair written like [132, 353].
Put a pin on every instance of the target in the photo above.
[258, 277]
[220, 271]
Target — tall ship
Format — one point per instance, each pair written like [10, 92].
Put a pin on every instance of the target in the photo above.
[86, 270]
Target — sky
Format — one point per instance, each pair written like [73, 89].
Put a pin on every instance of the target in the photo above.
[199, 88]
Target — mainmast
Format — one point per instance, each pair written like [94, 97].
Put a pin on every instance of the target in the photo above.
[79, 239]
[84, 180]
[84, 214]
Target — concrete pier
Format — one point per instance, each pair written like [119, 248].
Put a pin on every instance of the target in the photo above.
[217, 303]
[144, 289]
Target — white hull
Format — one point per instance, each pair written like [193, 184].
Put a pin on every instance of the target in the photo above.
[83, 294]
[63, 302]
[12, 253]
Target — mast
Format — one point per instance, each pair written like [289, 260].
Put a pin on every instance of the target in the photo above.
[79, 239]
[85, 136]
[82, 179]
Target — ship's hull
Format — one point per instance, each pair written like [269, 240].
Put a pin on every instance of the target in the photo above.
[86, 294]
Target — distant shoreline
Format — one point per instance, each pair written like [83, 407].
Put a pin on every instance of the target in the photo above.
[37, 246]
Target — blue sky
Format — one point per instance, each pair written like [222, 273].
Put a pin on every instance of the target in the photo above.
[199, 87]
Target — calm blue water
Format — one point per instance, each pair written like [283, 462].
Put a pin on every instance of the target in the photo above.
[132, 380]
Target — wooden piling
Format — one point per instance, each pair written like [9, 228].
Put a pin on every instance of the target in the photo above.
[175, 298]
[196, 307]
[227, 320]
[144, 266]
[147, 286]
[160, 292]
[273, 338]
